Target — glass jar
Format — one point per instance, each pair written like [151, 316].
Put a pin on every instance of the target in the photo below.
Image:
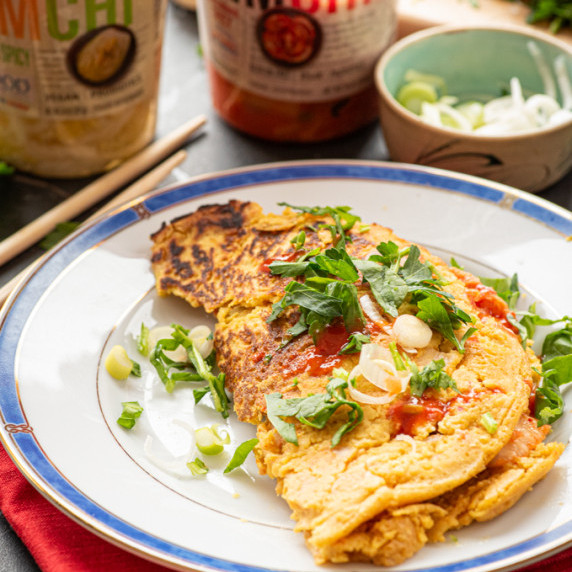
[78, 83]
[295, 70]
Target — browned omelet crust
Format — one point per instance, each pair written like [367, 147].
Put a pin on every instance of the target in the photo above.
[374, 497]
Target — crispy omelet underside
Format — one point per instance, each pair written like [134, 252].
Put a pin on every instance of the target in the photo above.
[374, 497]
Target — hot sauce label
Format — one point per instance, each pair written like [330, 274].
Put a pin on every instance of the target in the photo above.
[297, 50]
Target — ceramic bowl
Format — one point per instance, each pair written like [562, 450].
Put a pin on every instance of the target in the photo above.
[475, 62]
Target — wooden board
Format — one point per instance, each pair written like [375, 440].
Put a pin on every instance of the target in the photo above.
[415, 15]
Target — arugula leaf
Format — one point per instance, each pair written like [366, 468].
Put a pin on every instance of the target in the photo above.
[313, 410]
[131, 412]
[240, 454]
[431, 376]
[352, 313]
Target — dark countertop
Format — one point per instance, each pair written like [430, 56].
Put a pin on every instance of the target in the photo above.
[184, 95]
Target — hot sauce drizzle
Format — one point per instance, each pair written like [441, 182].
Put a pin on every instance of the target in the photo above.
[487, 300]
[409, 412]
[321, 358]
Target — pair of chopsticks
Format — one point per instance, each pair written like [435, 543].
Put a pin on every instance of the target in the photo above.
[98, 190]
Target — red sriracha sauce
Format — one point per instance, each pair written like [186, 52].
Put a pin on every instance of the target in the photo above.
[487, 300]
[290, 257]
[409, 412]
[322, 358]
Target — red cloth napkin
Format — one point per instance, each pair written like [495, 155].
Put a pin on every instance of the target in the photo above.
[58, 544]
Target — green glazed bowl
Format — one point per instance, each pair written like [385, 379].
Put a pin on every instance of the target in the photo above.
[475, 62]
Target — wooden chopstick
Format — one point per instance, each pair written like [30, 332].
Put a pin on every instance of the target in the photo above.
[143, 185]
[98, 190]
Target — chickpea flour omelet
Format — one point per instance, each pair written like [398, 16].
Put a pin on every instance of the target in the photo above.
[391, 392]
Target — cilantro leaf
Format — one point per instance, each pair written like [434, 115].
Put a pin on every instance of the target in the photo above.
[309, 299]
[388, 288]
[444, 318]
[314, 411]
[431, 376]
[354, 343]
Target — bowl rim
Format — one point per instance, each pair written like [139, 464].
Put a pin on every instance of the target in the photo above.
[415, 37]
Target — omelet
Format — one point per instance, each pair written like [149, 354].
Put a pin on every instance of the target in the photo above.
[399, 466]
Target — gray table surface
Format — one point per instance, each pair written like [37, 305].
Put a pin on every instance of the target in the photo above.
[183, 94]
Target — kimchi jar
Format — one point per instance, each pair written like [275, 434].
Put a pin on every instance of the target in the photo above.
[78, 83]
[295, 70]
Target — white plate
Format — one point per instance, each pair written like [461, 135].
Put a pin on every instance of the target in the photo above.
[58, 406]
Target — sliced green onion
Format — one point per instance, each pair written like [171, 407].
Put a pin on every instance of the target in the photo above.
[131, 412]
[197, 467]
[489, 423]
[117, 363]
[210, 441]
[414, 93]
[143, 340]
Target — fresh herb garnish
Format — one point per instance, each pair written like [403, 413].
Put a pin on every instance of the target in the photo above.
[489, 423]
[131, 412]
[556, 372]
[299, 240]
[557, 12]
[431, 376]
[143, 340]
[313, 410]
[556, 352]
[240, 454]
[354, 344]
[197, 467]
[394, 283]
[343, 220]
[197, 370]
[61, 230]
[506, 288]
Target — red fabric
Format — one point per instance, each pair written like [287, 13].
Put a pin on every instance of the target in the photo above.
[58, 544]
